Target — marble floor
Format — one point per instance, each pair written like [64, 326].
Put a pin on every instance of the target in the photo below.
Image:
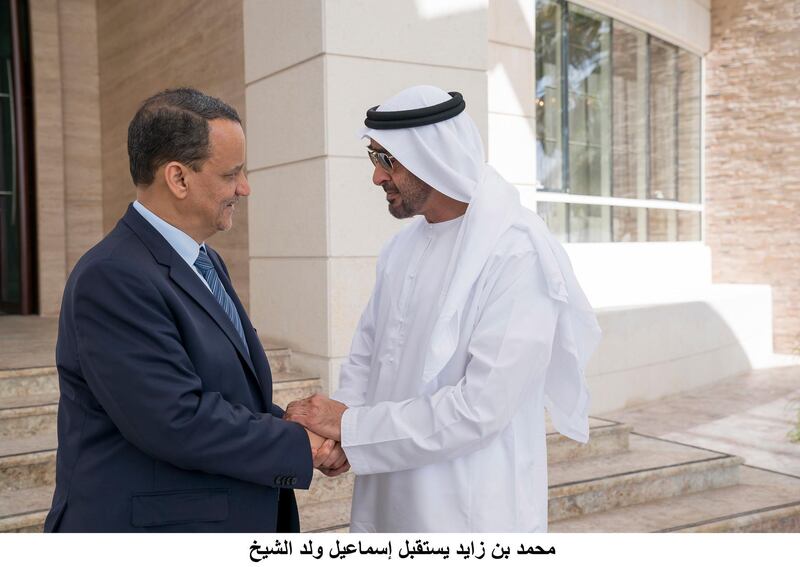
[749, 416]
[27, 342]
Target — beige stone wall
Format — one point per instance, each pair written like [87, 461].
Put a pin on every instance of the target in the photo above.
[511, 92]
[316, 221]
[49, 140]
[149, 45]
[67, 135]
[80, 91]
[753, 152]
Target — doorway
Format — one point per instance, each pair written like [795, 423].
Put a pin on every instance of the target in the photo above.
[18, 282]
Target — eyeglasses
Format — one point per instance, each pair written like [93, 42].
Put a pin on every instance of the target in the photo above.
[386, 161]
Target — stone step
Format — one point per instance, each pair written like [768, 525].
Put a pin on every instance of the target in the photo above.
[28, 458]
[28, 382]
[652, 469]
[290, 386]
[280, 358]
[25, 510]
[34, 414]
[332, 515]
[324, 488]
[763, 501]
[605, 438]
[27, 462]
[26, 416]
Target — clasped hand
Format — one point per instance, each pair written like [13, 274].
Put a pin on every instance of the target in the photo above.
[322, 419]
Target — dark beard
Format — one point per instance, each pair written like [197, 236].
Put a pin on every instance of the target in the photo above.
[412, 197]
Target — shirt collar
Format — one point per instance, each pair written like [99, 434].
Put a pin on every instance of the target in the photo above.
[186, 246]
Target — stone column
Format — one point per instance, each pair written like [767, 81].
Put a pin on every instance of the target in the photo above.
[316, 221]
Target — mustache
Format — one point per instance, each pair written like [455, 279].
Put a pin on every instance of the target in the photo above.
[389, 187]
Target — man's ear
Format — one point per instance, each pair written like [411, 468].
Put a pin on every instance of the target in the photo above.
[175, 175]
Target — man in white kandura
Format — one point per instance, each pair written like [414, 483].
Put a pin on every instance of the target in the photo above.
[475, 325]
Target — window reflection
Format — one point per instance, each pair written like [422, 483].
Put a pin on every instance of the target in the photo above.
[548, 95]
[618, 115]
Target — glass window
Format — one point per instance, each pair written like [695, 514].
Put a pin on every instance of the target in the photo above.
[588, 110]
[629, 111]
[663, 101]
[630, 224]
[662, 225]
[589, 223]
[555, 216]
[688, 127]
[548, 95]
[618, 117]
[689, 225]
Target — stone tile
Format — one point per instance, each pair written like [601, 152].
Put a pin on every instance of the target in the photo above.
[635, 337]
[24, 502]
[512, 22]
[324, 516]
[512, 85]
[20, 422]
[607, 439]
[326, 489]
[30, 382]
[83, 181]
[741, 507]
[284, 392]
[27, 342]
[286, 116]
[278, 35]
[752, 165]
[445, 34]
[27, 462]
[49, 150]
[512, 147]
[651, 470]
[748, 415]
[287, 210]
[207, 54]
[283, 286]
[636, 385]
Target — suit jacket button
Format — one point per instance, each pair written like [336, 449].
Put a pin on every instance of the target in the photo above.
[292, 481]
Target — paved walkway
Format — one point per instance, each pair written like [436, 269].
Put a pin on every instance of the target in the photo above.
[27, 342]
[749, 416]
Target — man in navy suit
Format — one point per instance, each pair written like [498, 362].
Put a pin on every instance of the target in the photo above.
[166, 420]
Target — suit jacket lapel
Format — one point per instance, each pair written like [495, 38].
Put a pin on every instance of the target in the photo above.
[257, 356]
[188, 280]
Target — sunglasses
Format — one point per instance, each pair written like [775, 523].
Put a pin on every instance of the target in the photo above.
[386, 161]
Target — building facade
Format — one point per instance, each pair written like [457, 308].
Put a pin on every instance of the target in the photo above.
[658, 139]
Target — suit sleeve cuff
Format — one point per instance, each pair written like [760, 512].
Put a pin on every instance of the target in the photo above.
[306, 472]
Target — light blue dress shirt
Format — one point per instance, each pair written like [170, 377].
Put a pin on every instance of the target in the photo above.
[186, 246]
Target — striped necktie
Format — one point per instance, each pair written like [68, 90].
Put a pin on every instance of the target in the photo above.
[206, 268]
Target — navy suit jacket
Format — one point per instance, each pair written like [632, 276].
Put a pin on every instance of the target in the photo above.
[165, 423]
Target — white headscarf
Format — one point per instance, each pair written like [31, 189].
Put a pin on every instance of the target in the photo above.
[449, 157]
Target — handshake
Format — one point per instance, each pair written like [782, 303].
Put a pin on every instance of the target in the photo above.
[322, 419]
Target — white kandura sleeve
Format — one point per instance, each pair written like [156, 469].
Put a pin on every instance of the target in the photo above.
[354, 372]
[510, 350]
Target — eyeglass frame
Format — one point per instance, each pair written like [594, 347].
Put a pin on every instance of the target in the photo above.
[384, 159]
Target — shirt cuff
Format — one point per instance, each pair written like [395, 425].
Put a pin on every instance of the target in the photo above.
[354, 452]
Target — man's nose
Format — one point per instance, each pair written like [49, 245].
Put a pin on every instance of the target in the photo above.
[243, 188]
[380, 175]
